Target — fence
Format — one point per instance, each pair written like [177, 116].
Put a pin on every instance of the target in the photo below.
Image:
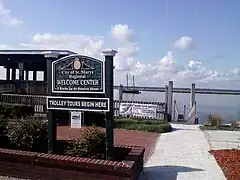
[39, 104]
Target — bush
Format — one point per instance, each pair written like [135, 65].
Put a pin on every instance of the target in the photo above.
[137, 121]
[143, 125]
[235, 124]
[3, 125]
[15, 110]
[213, 120]
[30, 134]
[91, 144]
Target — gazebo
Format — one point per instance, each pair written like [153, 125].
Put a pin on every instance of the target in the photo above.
[25, 61]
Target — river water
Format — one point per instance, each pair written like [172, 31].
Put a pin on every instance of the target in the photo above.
[226, 106]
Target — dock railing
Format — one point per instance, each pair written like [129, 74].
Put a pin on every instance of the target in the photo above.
[192, 114]
[175, 111]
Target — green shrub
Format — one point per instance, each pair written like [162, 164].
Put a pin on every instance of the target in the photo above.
[149, 128]
[16, 110]
[235, 124]
[213, 120]
[30, 134]
[137, 121]
[3, 125]
[143, 125]
[91, 144]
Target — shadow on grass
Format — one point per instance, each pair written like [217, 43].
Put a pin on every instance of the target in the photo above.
[165, 172]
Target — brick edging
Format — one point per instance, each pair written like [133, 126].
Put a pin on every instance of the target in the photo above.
[42, 158]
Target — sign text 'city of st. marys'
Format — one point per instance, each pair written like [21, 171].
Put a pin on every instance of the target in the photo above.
[78, 74]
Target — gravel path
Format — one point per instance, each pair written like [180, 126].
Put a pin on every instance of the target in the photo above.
[182, 155]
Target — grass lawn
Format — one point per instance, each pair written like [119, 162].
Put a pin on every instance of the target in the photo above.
[142, 125]
[222, 127]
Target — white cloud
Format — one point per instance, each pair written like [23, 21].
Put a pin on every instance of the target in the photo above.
[122, 33]
[82, 44]
[4, 46]
[147, 73]
[6, 17]
[184, 43]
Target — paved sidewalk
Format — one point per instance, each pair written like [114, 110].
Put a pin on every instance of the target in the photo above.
[223, 139]
[182, 155]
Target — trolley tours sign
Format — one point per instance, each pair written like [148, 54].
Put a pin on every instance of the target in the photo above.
[78, 74]
[78, 103]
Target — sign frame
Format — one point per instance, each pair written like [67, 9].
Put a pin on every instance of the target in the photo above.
[80, 98]
[79, 92]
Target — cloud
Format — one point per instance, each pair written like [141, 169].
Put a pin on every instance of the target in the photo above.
[4, 46]
[184, 43]
[122, 33]
[6, 17]
[147, 72]
[87, 45]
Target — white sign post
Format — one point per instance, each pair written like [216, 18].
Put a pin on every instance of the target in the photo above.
[76, 119]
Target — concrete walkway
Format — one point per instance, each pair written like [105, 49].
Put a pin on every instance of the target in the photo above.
[223, 139]
[182, 155]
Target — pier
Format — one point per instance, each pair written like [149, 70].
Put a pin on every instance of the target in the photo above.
[182, 90]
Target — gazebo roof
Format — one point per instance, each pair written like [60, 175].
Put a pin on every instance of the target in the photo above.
[32, 59]
[34, 52]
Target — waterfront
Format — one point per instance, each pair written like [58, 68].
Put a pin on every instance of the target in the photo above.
[224, 105]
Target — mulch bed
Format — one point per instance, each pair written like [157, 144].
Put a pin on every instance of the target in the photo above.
[122, 137]
[229, 161]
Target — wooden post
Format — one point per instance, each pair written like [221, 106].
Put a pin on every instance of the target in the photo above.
[45, 75]
[51, 114]
[170, 99]
[166, 103]
[109, 77]
[27, 75]
[120, 92]
[7, 73]
[34, 75]
[184, 111]
[13, 73]
[174, 110]
[21, 70]
[192, 95]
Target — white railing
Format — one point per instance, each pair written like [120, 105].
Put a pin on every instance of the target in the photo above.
[175, 111]
[192, 115]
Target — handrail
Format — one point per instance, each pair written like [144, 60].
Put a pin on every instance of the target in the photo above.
[192, 114]
[175, 111]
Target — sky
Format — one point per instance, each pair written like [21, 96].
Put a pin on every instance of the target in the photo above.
[190, 41]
